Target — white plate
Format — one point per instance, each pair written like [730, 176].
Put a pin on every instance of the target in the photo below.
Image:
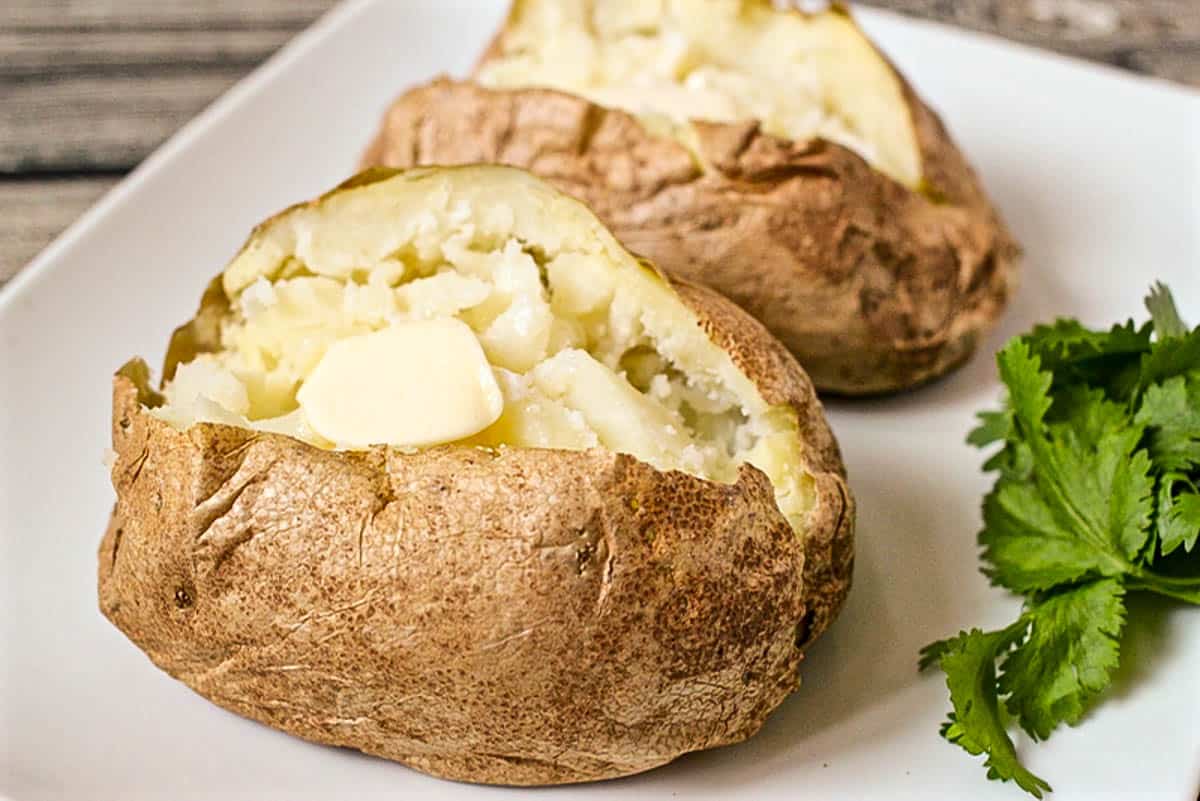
[1099, 175]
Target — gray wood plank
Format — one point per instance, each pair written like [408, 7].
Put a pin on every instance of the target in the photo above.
[1181, 63]
[98, 122]
[97, 85]
[121, 55]
[1144, 35]
[160, 14]
[37, 211]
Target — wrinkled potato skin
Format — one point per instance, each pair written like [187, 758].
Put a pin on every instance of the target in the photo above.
[515, 617]
[874, 287]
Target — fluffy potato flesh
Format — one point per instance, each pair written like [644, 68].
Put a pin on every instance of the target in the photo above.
[372, 290]
[673, 61]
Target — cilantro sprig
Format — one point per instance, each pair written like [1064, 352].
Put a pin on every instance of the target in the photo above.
[1097, 495]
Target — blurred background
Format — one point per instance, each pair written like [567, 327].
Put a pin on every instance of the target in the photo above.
[88, 88]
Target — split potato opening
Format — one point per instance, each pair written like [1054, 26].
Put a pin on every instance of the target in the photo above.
[673, 61]
[472, 307]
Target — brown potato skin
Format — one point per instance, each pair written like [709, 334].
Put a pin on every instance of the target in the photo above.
[516, 617]
[874, 287]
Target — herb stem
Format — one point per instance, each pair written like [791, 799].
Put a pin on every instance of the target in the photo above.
[1181, 589]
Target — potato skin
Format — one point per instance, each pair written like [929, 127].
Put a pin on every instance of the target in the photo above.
[829, 539]
[511, 617]
[874, 287]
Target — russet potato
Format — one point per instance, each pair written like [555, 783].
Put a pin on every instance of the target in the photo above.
[773, 155]
[609, 541]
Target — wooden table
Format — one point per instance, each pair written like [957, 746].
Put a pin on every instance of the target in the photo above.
[89, 87]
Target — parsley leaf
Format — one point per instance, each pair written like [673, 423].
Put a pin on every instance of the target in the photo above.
[1178, 514]
[1176, 351]
[1161, 306]
[1028, 386]
[1097, 494]
[1170, 357]
[1172, 411]
[969, 661]
[1085, 508]
[1028, 549]
[1067, 342]
[1068, 658]
[993, 427]
[1076, 355]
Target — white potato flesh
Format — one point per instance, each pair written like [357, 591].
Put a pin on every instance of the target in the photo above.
[623, 418]
[673, 61]
[530, 327]
[535, 420]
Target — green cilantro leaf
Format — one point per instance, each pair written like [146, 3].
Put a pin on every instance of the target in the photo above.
[1178, 514]
[969, 661]
[1175, 351]
[1110, 360]
[1028, 386]
[1170, 358]
[1085, 508]
[1172, 411]
[1087, 410]
[1028, 549]
[932, 654]
[1097, 494]
[1067, 342]
[1163, 312]
[1068, 658]
[1096, 485]
[993, 427]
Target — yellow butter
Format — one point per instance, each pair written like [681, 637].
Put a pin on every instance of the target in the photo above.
[415, 384]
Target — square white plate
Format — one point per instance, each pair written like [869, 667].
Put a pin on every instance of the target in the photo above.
[1099, 175]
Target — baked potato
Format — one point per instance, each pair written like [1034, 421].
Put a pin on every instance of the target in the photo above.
[440, 472]
[773, 155]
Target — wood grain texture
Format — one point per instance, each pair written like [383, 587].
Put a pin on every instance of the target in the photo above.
[160, 14]
[93, 86]
[79, 123]
[1154, 37]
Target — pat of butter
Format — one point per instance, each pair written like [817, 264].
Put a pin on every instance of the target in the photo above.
[417, 383]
